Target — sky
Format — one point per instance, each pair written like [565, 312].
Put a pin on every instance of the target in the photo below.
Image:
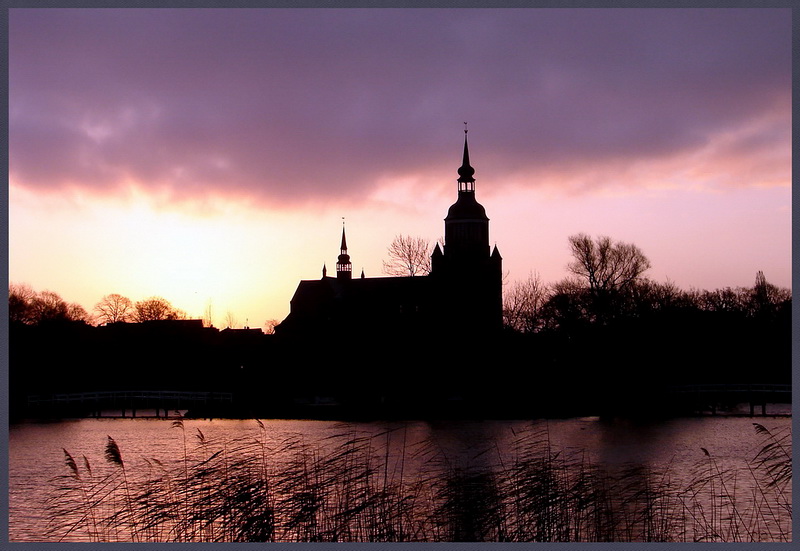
[211, 156]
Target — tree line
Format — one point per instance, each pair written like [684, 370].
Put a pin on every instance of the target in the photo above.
[35, 308]
[29, 307]
[607, 283]
[606, 336]
[609, 338]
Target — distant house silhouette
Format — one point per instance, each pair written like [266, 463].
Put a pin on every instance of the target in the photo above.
[461, 296]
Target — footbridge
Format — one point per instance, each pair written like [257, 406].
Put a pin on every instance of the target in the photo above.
[713, 397]
[123, 403]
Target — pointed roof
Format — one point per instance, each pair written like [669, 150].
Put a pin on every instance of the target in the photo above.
[344, 267]
[344, 258]
[465, 171]
[466, 207]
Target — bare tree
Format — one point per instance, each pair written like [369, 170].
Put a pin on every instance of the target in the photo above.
[20, 299]
[765, 297]
[230, 320]
[523, 302]
[27, 306]
[114, 308]
[154, 308]
[208, 315]
[727, 299]
[567, 306]
[606, 265]
[49, 306]
[650, 296]
[76, 312]
[408, 256]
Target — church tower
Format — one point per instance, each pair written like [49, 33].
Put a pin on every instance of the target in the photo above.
[466, 228]
[468, 274]
[460, 299]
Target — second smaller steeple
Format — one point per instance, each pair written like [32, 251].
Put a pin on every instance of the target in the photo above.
[344, 269]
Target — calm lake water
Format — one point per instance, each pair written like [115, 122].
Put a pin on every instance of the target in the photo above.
[36, 453]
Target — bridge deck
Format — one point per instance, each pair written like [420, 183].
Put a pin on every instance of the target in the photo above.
[102, 403]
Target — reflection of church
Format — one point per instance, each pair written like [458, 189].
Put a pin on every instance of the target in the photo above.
[462, 295]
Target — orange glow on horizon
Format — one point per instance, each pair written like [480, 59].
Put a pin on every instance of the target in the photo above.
[248, 260]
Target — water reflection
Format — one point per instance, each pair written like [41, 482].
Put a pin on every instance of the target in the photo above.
[622, 441]
[470, 476]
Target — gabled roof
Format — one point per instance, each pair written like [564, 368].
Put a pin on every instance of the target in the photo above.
[316, 303]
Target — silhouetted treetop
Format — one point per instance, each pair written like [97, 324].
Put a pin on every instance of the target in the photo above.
[408, 256]
[766, 297]
[31, 308]
[523, 303]
[155, 308]
[763, 299]
[20, 297]
[114, 308]
[606, 265]
[608, 284]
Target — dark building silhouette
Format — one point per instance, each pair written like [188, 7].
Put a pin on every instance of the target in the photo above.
[461, 296]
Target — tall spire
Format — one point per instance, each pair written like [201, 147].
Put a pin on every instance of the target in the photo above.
[344, 269]
[465, 180]
[466, 228]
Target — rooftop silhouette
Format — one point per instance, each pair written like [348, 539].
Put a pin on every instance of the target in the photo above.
[462, 294]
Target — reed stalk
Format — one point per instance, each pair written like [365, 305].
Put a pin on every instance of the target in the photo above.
[358, 487]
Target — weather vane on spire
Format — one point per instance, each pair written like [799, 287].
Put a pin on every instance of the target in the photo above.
[465, 127]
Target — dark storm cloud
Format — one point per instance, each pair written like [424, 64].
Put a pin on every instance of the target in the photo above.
[290, 105]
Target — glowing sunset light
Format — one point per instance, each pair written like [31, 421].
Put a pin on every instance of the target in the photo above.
[208, 156]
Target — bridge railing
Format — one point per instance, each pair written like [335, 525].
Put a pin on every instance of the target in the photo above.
[129, 395]
[733, 388]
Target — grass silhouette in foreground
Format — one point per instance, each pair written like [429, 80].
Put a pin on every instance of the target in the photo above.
[354, 488]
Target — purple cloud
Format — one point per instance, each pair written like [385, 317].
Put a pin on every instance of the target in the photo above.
[288, 106]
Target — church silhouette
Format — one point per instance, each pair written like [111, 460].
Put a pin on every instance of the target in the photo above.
[460, 297]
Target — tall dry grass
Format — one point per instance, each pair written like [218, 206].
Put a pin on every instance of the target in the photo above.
[364, 488]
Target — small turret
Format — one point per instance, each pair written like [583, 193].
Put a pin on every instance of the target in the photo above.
[344, 269]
